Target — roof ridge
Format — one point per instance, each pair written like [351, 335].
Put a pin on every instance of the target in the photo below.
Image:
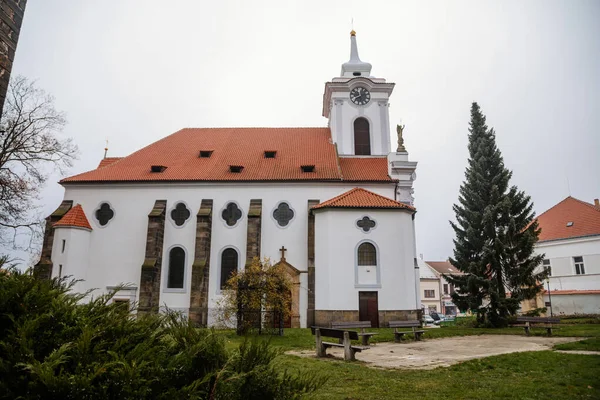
[586, 203]
[565, 199]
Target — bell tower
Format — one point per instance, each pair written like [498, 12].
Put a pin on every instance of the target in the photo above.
[356, 104]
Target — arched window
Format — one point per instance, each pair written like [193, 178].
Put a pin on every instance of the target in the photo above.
[229, 265]
[176, 268]
[367, 254]
[362, 137]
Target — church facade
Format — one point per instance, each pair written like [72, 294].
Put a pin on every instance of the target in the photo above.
[176, 218]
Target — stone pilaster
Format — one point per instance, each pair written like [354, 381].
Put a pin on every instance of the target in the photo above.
[150, 277]
[201, 267]
[310, 314]
[43, 269]
[254, 230]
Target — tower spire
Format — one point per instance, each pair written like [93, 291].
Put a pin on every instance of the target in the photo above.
[355, 67]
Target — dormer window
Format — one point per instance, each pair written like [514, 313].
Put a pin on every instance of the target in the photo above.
[356, 73]
[270, 154]
[308, 168]
[205, 153]
[236, 168]
[157, 168]
[569, 224]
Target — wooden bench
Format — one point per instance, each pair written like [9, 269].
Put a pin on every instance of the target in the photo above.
[345, 335]
[536, 322]
[356, 324]
[398, 336]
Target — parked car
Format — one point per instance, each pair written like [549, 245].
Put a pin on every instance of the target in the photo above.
[449, 317]
[427, 320]
[437, 318]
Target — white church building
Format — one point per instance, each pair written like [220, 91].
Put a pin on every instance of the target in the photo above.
[177, 217]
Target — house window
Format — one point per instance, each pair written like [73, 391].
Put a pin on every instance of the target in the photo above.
[362, 137]
[60, 270]
[283, 214]
[176, 268]
[229, 265]
[367, 271]
[121, 303]
[104, 214]
[367, 255]
[231, 214]
[64, 243]
[579, 268]
[445, 288]
[451, 288]
[180, 214]
[429, 294]
[366, 224]
[547, 267]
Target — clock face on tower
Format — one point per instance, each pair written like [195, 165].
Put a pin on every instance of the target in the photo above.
[360, 96]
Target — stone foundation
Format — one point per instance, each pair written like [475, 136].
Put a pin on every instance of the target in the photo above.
[326, 317]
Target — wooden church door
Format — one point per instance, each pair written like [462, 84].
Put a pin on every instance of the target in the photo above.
[368, 308]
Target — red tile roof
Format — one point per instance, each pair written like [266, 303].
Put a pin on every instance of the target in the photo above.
[294, 147]
[361, 198]
[444, 267]
[75, 217]
[361, 169]
[584, 216]
[108, 161]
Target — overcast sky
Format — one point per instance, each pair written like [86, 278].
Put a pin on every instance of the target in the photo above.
[134, 71]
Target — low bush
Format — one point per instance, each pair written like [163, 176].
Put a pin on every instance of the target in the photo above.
[55, 345]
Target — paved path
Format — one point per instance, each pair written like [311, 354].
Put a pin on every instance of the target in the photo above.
[432, 353]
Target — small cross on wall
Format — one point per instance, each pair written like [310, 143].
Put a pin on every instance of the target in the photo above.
[282, 250]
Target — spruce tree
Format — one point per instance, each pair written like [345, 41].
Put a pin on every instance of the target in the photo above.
[495, 234]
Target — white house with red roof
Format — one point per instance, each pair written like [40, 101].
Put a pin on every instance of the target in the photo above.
[570, 240]
[177, 217]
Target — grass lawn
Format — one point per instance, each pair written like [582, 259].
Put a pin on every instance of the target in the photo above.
[530, 375]
[591, 344]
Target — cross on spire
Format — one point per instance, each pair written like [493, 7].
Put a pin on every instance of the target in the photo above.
[283, 250]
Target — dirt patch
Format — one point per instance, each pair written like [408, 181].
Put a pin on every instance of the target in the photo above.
[444, 352]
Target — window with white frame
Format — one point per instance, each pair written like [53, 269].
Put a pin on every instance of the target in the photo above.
[445, 288]
[229, 266]
[367, 269]
[176, 273]
[429, 294]
[547, 267]
[579, 267]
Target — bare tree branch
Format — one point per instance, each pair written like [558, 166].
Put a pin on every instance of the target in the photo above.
[30, 149]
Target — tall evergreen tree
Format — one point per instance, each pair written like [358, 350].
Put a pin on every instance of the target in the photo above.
[495, 234]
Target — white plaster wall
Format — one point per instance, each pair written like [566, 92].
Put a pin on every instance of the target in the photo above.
[116, 251]
[343, 114]
[336, 242]
[561, 253]
[575, 304]
[75, 258]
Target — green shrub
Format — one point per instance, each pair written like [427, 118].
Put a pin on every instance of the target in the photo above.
[53, 345]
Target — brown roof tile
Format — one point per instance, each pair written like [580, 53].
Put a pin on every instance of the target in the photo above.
[75, 217]
[443, 267]
[584, 216]
[108, 161]
[367, 168]
[362, 198]
[294, 147]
